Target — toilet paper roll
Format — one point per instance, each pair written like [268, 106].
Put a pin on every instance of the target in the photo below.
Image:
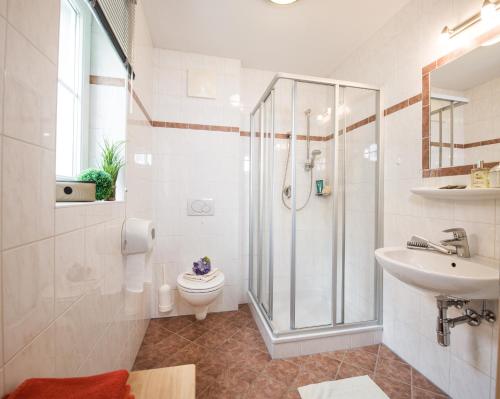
[135, 272]
[138, 236]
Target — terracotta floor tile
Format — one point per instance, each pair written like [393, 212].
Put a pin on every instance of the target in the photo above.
[176, 323]
[419, 381]
[308, 376]
[291, 394]
[337, 355]
[171, 344]
[253, 359]
[190, 354]
[348, 371]
[361, 359]
[214, 338]
[219, 391]
[386, 353]
[265, 387]
[212, 321]
[321, 363]
[244, 307]
[418, 393]
[371, 348]
[251, 338]
[192, 331]
[237, 319]
[393, 389]
[393, 369]
[232, 361]
[281, 370]
[236, 379]
[155, 333]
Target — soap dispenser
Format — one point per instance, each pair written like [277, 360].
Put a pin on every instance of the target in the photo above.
[479, 176]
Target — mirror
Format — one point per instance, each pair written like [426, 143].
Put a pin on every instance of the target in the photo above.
[464, 107]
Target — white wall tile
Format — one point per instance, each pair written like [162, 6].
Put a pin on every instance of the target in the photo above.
[28, 293]
[38, 20]
[30, 93]
[35, 360]
[28, 196]
[467, 382]
[69, 218]
[72, 276]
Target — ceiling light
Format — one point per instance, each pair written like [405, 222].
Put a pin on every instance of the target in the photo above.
[488, 11]
[283, 1]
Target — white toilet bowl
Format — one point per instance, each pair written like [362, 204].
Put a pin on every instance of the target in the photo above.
[200, 294]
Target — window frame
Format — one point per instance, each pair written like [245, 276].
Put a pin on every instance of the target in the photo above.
[80, 93]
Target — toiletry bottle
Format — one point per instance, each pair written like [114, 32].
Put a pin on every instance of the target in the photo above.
[494, 176]
[479, 176]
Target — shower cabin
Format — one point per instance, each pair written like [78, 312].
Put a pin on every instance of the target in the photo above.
[316, 214]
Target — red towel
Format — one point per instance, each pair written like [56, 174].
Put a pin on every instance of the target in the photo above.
[111, 385]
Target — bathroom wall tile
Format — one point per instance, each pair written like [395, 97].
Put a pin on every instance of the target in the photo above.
[35, 360]
[434, 362]
[30, 92]
[72, 275]
[467, 382]
[77, 331]
[98, 213]
[69, 218]
[471, 211]
[481, 238]
[28, 293]
[474, 346]
[27, 208]
[38, 21]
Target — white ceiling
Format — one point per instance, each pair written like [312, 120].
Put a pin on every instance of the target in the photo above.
[471, 70]
[308, 37]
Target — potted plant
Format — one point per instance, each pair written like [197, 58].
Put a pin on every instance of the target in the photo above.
[102, 180]
[112, 162]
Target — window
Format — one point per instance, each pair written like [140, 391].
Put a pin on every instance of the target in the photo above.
[71, 102]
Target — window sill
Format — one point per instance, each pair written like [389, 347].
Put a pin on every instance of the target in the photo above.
[94, 203]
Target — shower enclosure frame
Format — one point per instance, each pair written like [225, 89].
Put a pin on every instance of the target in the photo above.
[267, 314]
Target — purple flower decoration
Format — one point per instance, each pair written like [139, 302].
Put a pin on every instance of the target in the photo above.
[202, 266]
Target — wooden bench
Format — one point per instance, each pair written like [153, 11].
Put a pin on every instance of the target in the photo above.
[165, 383]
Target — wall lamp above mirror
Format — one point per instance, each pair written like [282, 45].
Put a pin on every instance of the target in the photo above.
[461, 108]
[488, 14]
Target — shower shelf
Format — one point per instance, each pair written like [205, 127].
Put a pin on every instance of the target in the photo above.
[458, 194]
[323, 195]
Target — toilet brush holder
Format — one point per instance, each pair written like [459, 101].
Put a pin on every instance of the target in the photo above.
[165, 302]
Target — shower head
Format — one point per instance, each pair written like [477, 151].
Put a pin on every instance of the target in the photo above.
[310, 162]
[307, 112]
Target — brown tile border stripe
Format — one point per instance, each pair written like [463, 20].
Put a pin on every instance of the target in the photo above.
[118, 82]
[468, 145]
[453, 170]
[106, 81]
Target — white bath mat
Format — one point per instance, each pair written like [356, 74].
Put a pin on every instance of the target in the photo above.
[349, 388]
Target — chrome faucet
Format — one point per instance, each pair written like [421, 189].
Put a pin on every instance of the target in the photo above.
[459, 241]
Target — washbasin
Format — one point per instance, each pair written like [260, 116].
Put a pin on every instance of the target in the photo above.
[471, 278]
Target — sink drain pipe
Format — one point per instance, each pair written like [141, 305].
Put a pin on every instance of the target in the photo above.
[470, 316]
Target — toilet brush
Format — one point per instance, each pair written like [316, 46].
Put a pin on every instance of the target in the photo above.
[165, 303]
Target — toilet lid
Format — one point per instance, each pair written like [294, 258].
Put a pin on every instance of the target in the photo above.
[201, 286]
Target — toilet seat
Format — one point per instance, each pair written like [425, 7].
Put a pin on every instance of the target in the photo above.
[200, 286]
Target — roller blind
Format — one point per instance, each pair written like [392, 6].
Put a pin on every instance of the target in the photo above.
[118, 18]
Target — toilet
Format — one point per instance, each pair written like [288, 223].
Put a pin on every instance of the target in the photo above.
[200, 294]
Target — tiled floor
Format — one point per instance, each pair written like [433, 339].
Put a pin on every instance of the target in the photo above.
[232, 361]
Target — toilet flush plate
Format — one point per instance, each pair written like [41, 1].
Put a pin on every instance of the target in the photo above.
[200, 207]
